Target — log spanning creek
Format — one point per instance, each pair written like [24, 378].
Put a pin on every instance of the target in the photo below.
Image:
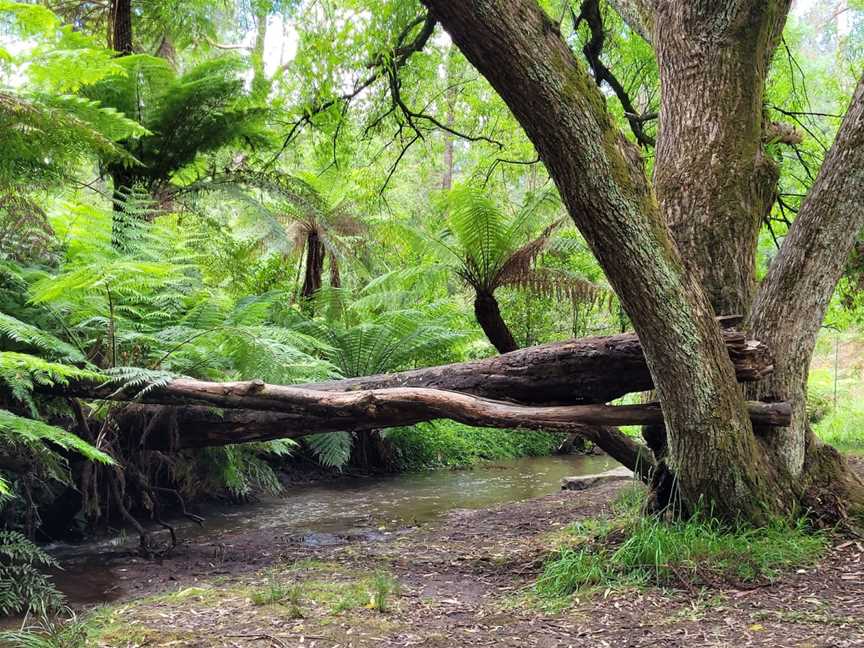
[324, 513]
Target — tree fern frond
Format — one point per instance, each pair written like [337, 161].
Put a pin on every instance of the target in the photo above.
[18, 430]
[35, 338]
[332, 449]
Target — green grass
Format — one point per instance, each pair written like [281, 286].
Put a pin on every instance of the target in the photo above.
[382, 586]
[445, 444]
[637, 551]
[836, 391]
[276, 591]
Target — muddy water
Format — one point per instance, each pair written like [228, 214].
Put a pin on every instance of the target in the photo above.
[330, 512]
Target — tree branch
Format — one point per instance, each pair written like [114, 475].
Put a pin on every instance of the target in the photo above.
[590, 13]
[637, 14]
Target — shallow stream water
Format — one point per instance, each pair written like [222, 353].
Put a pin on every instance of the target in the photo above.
[328, 512]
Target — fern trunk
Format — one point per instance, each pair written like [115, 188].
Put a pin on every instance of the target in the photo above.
[315, 252]
[120, 27]
[488, 315]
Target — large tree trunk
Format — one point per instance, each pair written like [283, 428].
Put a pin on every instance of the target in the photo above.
[489, 318]
[711, 178]
[599, 175]
[791, 304]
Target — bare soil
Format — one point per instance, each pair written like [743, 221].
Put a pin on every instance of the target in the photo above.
[462, 581]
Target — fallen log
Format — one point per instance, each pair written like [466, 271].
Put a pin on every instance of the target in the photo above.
[585, 370]
[177, 427]
[381, 408]
[307, 411]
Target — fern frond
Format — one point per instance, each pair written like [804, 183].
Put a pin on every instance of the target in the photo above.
[332, 449]
[18, 430]
[35, 338]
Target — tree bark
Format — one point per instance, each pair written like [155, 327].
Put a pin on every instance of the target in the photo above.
[638, 14]
[159, 428]
[488, 315]
[314, 265]
[327, 411]
[120, 34]
[711, 178]
[793, 298]
[710, 439]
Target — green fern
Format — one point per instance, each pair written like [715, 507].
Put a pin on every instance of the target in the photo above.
[37, 339]
[23, 586]
[332, 449]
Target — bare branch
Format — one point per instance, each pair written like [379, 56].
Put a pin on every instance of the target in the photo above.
[590, 13]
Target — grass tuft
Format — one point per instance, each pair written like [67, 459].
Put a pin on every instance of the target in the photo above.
[276, 591]
[382, 586]
[641, 551]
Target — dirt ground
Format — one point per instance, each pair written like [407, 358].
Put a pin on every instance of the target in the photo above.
[462, 581]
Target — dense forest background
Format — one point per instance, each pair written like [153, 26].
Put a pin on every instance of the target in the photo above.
[299, 191]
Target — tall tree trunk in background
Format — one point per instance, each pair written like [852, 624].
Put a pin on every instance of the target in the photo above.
[167, 51]
[450, 98]
[260, 82]
[488, 315]
[122, 179]
[120, 26]
[314, 265]
[599, 174]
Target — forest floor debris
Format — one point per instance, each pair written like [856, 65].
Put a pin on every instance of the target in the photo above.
[465, 580]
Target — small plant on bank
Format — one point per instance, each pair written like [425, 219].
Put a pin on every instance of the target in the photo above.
[381, 587]
[23, 586]
[641, 551]
[65, 630]
[276, 591]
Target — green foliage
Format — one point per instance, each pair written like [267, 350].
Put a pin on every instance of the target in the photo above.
[23, 587]
[446, 444]
[44, 136]
[185, 116]
[276, 591]
[642, 551]
[332, 449]
[834, 390]
[36, 442]
[65, 630]
[382, 586]
[492, 249]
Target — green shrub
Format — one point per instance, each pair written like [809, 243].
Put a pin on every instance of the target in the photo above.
[446, 444]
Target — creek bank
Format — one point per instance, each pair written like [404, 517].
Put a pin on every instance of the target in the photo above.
[464, 580]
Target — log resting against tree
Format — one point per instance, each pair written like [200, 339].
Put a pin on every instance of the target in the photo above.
[584, 370]
[292, 412]
[595, 369]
